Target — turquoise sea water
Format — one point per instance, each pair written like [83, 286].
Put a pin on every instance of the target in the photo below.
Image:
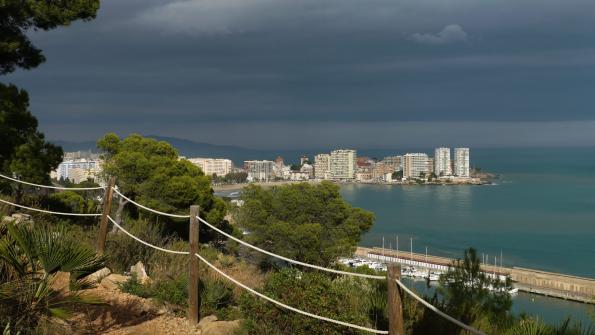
[540, 214]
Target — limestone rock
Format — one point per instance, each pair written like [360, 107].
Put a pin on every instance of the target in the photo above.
[206, 320]
[17, 218]
[221, 327]
[112, 281]
[98, 276]
[139, 271]
[61, 281]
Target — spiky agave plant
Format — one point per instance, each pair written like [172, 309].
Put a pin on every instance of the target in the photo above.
[33, 258]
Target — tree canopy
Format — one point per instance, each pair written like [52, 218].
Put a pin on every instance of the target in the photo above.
[471, 294]
[18, 16]
[151, 173]
[306, 222]
[23, 150]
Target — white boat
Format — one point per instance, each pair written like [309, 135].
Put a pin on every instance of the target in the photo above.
[433, 276]
[407, 271]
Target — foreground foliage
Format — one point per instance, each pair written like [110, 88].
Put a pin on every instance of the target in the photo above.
[31, 286]
[472, 295]
[24, 153]
[532, 326]
[18, 17]
[315, 292]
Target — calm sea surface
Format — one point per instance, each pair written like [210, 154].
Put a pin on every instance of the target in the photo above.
[540, 214]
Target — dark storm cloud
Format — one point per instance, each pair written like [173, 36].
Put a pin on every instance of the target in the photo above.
[175, 66]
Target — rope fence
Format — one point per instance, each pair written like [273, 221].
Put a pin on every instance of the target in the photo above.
[146, 243]
[278, 303]
[148, 208]
[49, 212]
[53, 187]
[288, 259]
[293, 309]
[437, 311]
[107, 218]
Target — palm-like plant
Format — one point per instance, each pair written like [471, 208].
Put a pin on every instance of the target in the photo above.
[31, 259]
[532, 326]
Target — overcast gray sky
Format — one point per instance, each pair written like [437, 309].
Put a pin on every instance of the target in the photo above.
[300, 74]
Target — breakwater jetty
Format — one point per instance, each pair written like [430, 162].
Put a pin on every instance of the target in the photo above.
[527, 280]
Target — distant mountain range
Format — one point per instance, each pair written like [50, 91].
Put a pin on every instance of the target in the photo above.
[237, 154]
[190, 148]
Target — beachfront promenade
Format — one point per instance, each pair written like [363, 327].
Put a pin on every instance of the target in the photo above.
[527, 280]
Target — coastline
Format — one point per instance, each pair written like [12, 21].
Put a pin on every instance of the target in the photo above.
[240, 186]
[237, 187]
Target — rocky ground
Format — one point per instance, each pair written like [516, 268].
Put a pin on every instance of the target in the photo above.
[125, 314]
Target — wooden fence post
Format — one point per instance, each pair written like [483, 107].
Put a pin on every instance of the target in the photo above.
[107, 208]
[395, 305]
[193, 263]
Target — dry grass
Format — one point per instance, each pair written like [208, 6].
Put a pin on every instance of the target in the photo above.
[243, 272]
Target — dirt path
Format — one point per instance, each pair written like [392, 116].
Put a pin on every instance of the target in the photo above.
[126, 314]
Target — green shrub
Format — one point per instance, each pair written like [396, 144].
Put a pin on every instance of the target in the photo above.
[70, 202]
[173, 291]
[308, 291]
[123, 251]
[531, 326]
[216, 296]
[134, 287]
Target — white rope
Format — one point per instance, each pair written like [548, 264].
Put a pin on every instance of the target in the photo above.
[439, 312]
[246, 287]
[293, 309]
[146, 243]
[150, 209]
[46, 211]
[54, 187]
[289, 259]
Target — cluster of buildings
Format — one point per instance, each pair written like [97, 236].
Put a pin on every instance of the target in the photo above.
[416, 165]
[345, 165]
[413, 166]
[78, 167]
[338, 165]
[265, 170]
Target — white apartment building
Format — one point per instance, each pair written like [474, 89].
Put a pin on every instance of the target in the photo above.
[211, 166]
[461, 162]
[78, 170]
[259, 170]
[414, 164]
[322, 166]
[442, 166]
[343, 164]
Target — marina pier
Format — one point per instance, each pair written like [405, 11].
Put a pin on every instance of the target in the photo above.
[527, 280]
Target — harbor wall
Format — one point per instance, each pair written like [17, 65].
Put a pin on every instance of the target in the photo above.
[528, 280]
